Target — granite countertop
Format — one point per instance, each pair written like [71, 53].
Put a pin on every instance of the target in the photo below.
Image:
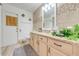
[56, 37]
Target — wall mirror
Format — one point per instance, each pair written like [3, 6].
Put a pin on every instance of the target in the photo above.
[48, 16]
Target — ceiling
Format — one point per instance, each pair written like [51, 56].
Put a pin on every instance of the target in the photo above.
[27, 6]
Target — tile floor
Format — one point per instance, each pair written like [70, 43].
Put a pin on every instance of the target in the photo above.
[19, 50]
[25, 50]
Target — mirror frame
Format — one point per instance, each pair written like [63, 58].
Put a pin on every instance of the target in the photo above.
[53, 27]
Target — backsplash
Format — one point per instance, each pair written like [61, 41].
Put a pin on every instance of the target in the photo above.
[67, 15]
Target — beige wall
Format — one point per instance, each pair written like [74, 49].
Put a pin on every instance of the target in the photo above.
[67, 15]
[37, 19]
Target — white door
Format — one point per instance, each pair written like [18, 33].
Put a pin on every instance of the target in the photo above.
[9, 31]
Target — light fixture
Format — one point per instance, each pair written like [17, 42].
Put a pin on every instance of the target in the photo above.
[52, 5]
[44, 9]
[47, 7]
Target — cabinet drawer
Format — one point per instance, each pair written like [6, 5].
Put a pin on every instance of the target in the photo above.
[57, 53]
[54, 52]
[43, 39]
[61, 46]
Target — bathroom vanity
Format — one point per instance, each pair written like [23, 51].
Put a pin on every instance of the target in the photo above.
[48, 45]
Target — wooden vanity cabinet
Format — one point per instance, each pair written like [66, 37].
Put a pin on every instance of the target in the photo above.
[45, 45]
[38, 43]
[34, 42]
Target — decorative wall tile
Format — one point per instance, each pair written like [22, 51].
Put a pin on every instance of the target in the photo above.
[67, 14]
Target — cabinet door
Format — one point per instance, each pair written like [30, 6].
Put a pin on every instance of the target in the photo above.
[76, 49]
[50, 51]
[36, 43]
[54, 52]
[31, 40]
[42, 49]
